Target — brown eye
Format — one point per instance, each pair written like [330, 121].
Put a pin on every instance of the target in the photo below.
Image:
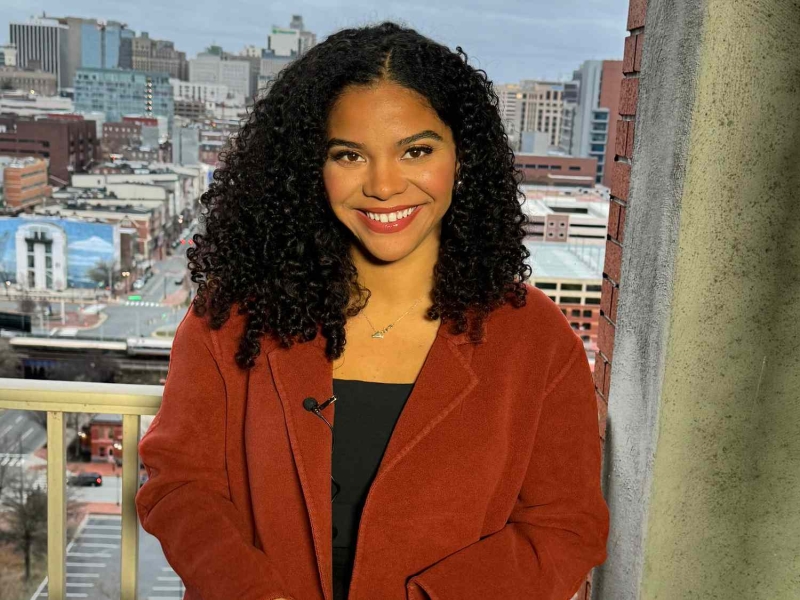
[424, 150]
[342, 154]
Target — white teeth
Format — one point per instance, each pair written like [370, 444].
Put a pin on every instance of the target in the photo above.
[391, 217]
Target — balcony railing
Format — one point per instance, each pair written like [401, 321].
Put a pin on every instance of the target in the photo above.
[57, 398]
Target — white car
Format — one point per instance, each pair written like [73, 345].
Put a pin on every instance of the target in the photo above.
[138, 284]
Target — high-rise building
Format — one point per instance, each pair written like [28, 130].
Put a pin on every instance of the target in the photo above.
[90, 43]
[40, 44]
[589, 125]
[117, 92]
[158, 56]
[531, 106]
[221, 69]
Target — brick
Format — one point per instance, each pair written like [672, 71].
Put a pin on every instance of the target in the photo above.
[629, 57]
[602, 415]
[599, 373]
[605, 338]
[637, 10]
[629, 96]
[605, 297]
[621, 141]
[613, 219]
[631, 129]
[621, 227]
[613, 261]
[607, 377]
[637, 62]
[620, 180]
[614, 300]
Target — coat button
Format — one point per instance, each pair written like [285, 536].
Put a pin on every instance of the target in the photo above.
[335, 532]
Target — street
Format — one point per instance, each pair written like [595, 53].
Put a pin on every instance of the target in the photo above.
[93, 564]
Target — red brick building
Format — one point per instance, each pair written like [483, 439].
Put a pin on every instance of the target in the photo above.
[557, 170]
[106, 437]
[25, 183]
[70, 145]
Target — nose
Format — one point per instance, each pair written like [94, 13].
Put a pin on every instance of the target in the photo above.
[384, 179]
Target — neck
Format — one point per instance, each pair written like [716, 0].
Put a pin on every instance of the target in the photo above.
[396, 285]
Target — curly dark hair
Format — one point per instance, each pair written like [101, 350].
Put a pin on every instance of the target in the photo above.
[272, 244]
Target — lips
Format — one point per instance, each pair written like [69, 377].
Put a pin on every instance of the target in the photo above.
[391, 226]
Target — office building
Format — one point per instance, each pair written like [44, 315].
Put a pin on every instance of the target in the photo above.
[590, 123]
[25, 182]
[40, 44]
[158, 56]
[118, 92]
[531, 106]
[91, 43]
[29, 81]
[556, 170]
[222, 68]
[70, 145]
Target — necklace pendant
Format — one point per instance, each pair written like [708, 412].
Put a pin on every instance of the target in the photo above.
[378, 334]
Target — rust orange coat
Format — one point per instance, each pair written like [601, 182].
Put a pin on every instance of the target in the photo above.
[489, 487]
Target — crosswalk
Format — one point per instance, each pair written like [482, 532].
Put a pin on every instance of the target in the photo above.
[136, 303]
[11, 460]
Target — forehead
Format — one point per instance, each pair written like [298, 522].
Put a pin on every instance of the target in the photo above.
[381, 106]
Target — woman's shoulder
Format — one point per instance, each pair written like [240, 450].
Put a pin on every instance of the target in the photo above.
[223, 340]
[539, 326]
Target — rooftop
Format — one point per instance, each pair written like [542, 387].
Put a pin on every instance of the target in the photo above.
[566, 260]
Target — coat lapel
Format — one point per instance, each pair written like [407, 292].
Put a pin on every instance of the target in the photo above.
[303, 370]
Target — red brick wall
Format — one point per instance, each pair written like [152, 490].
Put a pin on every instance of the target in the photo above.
[611, 80]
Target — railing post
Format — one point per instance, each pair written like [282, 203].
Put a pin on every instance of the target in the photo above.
[130, 524]
[56, 507]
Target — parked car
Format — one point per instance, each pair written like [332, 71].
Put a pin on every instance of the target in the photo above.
[138, 284]
[86, 478]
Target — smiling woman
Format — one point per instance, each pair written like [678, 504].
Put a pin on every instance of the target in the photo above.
[362, 256]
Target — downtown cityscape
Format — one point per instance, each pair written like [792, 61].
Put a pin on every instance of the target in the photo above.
[110, 136]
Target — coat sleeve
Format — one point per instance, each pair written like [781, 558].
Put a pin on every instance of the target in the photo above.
[186, 503]
[558, 529]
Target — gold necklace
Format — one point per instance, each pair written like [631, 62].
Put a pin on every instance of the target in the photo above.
[379, 332]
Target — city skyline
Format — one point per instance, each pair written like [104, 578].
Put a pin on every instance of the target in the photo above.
[524, 40]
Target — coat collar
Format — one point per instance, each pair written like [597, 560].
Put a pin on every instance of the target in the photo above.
[303, 370]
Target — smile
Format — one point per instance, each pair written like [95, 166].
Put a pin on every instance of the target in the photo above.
[390, 217]
[389, 222]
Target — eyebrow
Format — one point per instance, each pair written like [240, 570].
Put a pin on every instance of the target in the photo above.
[428, 133]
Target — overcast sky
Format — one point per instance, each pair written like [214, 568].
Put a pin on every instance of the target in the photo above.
[511, 40]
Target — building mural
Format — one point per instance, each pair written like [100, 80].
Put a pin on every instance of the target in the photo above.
[40, 252]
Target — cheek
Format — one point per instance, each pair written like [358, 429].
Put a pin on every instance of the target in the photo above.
[337, 185]
[437, 183]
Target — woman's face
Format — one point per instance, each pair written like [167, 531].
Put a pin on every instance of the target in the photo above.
[388, 151]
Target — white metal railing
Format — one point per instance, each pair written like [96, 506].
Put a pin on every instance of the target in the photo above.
[57, 398]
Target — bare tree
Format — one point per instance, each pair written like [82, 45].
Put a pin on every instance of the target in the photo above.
[24, 524]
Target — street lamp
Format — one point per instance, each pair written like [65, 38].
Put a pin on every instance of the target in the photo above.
[126, 275]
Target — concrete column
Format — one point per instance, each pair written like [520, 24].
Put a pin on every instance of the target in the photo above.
[702, 465]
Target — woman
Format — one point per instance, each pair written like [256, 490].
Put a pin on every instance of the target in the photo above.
[362, 268]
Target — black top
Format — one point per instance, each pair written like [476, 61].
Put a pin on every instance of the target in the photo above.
[366, 413]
